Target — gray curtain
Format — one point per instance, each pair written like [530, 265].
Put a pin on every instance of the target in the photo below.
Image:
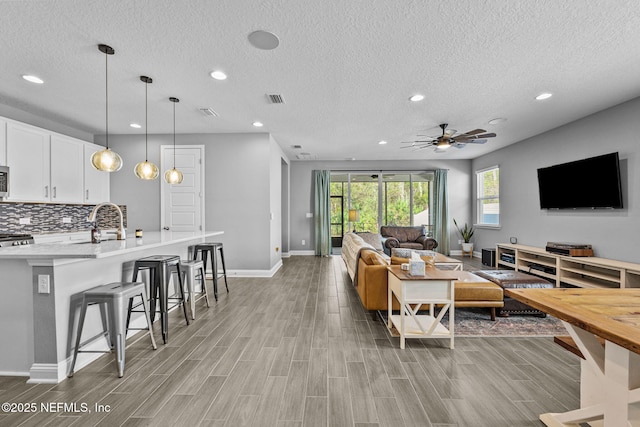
[322, 212]
[441, 212]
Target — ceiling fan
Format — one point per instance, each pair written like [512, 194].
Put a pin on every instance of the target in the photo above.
[450, 139]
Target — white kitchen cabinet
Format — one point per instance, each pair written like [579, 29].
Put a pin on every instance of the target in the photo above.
[3, 142]
[28, 156]
[96, 183]
[67, 171]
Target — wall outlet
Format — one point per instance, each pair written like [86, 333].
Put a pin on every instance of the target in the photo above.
[66, 220]
[44, 284]
[304, 242]
[25, 221]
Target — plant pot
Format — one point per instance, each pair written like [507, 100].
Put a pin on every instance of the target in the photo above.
[467, 247]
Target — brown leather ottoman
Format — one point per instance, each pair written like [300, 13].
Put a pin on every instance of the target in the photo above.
[471, 290]
[511, 279]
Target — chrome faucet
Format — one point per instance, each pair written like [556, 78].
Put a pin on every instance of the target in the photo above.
[120, 233]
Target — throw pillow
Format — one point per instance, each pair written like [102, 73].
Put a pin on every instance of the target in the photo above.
[401, 252]
[373, 239]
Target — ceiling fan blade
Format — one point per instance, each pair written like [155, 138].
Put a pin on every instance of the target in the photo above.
[468, 138]
[471, 133]
[476, 141]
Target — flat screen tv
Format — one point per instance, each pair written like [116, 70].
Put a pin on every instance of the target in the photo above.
[587, 183]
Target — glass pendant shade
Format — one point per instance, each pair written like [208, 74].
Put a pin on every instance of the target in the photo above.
[173, 176]
[146, 170]
[106, 160]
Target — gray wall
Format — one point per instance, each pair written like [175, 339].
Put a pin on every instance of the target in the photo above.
[69, 129]
[459, 180]
[237, 191]
[611, 232]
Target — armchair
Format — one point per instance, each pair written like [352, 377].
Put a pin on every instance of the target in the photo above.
[406, 237]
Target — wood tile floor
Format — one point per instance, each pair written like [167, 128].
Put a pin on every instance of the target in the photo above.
[297, 349]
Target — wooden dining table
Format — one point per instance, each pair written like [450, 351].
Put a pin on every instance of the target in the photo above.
[610, 373]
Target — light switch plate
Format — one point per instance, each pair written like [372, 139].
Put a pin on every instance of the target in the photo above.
[44, 284]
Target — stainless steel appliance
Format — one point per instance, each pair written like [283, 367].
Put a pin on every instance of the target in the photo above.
[4, 181]
[15, 240]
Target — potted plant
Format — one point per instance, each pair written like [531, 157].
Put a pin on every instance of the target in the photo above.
[466, 233]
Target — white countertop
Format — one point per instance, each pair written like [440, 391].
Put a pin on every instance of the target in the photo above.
[107, 248]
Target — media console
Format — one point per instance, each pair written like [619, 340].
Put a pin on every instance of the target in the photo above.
[583, 272]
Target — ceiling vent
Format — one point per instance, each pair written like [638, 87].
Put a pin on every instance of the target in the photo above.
[208, 112]
[275, 98]
[297, 147]
[305, 156]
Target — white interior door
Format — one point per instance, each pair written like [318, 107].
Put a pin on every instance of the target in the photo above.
[183, 204]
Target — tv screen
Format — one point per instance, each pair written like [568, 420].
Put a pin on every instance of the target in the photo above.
[587, 183]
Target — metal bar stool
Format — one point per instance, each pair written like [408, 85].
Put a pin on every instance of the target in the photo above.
[113, 299]
[190, 270]
[206, 250]
[160, 267]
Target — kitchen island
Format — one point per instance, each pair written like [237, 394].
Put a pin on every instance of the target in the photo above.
[38, 282]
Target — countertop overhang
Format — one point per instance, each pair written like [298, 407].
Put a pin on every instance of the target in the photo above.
[107, 248]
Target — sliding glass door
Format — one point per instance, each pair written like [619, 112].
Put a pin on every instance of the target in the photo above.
[372, 199]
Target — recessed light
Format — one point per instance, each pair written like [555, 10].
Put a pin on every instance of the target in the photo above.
[258, 124]
[497, 121]
[382, 142]
[218, 75]
[135, 125]
[33, 79]
[417, 97]
[544, 95]
[263, 40]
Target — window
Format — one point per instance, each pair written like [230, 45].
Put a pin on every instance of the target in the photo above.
[488, 193]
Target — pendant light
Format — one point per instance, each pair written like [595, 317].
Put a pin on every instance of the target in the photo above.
[173, 176]
[106, 160]
[146, 170]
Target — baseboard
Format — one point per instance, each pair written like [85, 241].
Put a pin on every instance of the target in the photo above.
[303, 253]
[53, 373]
[255, 273]
[458, 252]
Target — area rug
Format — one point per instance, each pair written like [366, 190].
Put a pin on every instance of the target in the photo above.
[473, 322]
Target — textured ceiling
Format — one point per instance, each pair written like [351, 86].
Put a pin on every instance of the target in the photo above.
[345, 68]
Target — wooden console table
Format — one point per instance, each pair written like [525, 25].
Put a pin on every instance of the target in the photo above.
[584, 272]
[610, 375]
[435, 287]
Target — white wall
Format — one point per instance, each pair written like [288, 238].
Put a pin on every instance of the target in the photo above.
[276, 158]
[613, 233]
[459, 181]
[237, 191]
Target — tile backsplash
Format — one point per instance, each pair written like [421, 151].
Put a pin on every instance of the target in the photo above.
[40, 218]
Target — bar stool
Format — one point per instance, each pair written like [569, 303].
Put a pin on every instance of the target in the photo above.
[190, 269]
[113, 299]
[160, 267]
[209, 250]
